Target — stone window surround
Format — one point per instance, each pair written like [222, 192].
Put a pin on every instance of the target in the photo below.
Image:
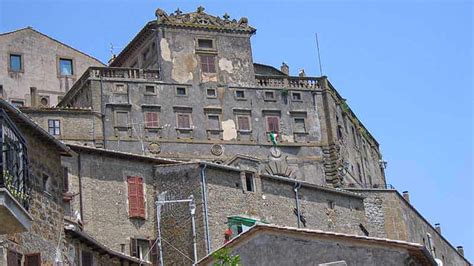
[53, 120]
[208, 128]
[58, 59]
[293, 97]
[249, 117]
[214, 93]
[22, 65]
[150, 93]
[186, 93]
[299, 115]
[269, 99]
[244, 98]
[183, 110]
[153, 111]
[202, 49]
[121, 110]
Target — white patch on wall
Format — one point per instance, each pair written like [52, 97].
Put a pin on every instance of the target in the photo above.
[229, 131]
[226, 65]
[287, 138]
[165, 50]
[183, 66]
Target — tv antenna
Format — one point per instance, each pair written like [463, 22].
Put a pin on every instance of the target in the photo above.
[319, 55]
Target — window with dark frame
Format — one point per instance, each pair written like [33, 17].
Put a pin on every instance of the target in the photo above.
[151, 119]
[18, 103]
[331, 204]
[211, 93]
[150, 89]
[273, 124]
[213, 122]
[296, 96]
[339, 132]
[300, 126]
[15, 63]
[181, 91]
[205, 43]
[249, 182]
[243, 123]
[140, 248]
[54, 127]
[208, 63]
[240, 94]
[136, 198]
[184, 121]
[269, 95]
[66, 67]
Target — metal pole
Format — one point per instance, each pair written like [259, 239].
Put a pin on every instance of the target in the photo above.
[192, 208]
[158, 214]
[296, 189]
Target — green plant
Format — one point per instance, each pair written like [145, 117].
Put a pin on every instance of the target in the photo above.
[223, 258]
[284, 92]
[11, 188]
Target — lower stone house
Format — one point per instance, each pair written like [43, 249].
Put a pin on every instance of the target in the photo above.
[275, 245]
[31, 191]
[231, 198]
[392, 216]
[112, 196]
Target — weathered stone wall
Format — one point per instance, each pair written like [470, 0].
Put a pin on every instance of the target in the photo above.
[388, 211]
[45, 208]
[40, 56]
[281, 249]
[273, 201]
[105, 198]
[76, 126]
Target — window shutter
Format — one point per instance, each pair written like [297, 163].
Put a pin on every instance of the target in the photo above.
[133, 247]
[244, 123]
[140, 197]
[273, 125]
[132, 196]
[153, 252]
[183, 121]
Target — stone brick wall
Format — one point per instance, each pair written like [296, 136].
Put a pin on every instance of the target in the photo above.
[390, 215]
[45, 208]
[105, 198]
[273, 201]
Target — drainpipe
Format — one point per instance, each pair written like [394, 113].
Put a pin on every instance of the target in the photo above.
[297, 198]
[79, 176]
[102, 113]
[204, 197]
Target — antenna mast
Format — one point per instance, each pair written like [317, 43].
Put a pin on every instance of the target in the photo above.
[319, 56]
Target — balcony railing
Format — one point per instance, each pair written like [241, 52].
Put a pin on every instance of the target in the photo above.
[14, 175]
[125, 73]
[369, 186]
[287, 82]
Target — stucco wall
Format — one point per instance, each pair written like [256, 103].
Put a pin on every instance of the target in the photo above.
[40, 56]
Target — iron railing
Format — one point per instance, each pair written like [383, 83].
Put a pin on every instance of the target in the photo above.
[14, 174]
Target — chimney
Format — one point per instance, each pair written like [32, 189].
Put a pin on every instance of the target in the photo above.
[438, 228]
[285, 69]
[406, 196]
[460, 250]
[33, 96]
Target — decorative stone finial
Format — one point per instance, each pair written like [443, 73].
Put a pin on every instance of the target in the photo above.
[178, 12]
[200, 9]
[226, 16]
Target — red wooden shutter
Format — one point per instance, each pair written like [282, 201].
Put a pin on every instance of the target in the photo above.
[151, 119]
[183, 121]
[132, 196]
[273, 125]
[244, 123]
[140, 197]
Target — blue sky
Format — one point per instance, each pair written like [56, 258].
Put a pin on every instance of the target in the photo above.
[405, 68]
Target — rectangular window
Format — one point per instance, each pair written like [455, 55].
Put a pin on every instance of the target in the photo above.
[46, 183]
[86, 258]
[208, 64]
[121, 119]
[243, 123]
[18, 103]
[273, 124]
[269, 96]
[65, 179]
[211, 93]
[54, 127]
[16, 63]
[33, 259]
[249, 181]
[151, 120]
[300, 125]
[140, 248]
[184, 121]
[150, 89]
[331, 204]
[136, 199]
[213, 122]
[239, 94]
[296, 96]
[66, 67]
[205, 43]
[180, 91]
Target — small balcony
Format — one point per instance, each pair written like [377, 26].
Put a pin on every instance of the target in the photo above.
[14, 179]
